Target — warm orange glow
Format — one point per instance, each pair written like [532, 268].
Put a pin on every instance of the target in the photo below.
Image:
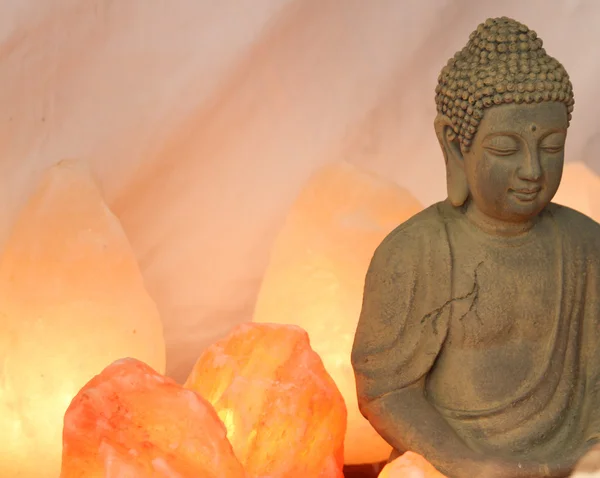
[131, 422]
[580, 190]
[283, 412]
[316, 275]
[71, 302]
[410, 465]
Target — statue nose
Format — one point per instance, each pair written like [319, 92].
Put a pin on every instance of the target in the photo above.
[530, 168]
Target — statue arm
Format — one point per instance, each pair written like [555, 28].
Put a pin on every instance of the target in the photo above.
[591, 332]
[425, 431]
[408, 421]
[401, 330]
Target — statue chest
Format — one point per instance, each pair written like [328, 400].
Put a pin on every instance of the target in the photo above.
[503, 294]
[505, 310]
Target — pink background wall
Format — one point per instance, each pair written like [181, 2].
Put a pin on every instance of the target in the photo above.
[203, 118]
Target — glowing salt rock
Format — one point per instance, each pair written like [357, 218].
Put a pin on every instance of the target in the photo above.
[316, 275]
[283, 413]
[72, 301]
[589, 465]
[410, 465]
[580, 190]
[130, 421]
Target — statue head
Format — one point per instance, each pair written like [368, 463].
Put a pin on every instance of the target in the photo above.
[504, 107]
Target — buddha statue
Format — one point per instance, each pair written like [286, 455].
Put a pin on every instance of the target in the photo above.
[478, 344]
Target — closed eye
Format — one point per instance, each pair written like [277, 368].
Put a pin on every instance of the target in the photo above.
[553, 149]
[501, 151]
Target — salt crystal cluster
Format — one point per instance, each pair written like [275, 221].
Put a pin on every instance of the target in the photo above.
[132, 422]
[410, 465]
[258, 403]
[72, 300]
[284, 415]
[316, 275]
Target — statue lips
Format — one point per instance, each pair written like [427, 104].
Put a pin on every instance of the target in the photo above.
[526, 194]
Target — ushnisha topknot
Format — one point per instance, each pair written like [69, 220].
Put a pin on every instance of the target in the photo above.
[503, 62]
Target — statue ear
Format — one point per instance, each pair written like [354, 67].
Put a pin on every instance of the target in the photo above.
[456, 179]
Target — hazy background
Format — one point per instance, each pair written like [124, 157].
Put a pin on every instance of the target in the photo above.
[203, 118]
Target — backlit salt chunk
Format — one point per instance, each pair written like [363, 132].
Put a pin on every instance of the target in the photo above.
[129, 421]
[589, 465]
[284, 414]
[410, 465]
[316, 275]
[72, 300]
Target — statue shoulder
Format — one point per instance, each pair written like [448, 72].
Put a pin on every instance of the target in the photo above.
[407, 240]
[575, 222]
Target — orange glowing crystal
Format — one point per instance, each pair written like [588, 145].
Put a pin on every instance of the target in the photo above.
[410, 465]
[284, 415]
[132, 422]
[316, 275]
[72, 301]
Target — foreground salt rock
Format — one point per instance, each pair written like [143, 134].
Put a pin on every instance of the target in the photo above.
[589, 465]
[410, 465]
[72, 301]
[132, 422]
[285, 417]
[316, 274]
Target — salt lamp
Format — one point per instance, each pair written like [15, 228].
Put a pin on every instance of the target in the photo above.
[410, 465]
[72, 301]
[316, 274]
[580, 189]
[285, 418]
[589, 465]
[130, 421]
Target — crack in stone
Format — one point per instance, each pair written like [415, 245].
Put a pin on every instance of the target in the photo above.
[435, 314]
[475, 293]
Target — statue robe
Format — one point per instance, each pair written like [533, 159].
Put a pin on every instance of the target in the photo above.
[506, 330]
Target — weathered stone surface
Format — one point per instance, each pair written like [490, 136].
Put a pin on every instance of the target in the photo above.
[285, 417]
[410, 465]
[132, 422]
[316, 275]
[72, 301]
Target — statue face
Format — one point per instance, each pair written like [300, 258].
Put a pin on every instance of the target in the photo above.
[516, 159]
